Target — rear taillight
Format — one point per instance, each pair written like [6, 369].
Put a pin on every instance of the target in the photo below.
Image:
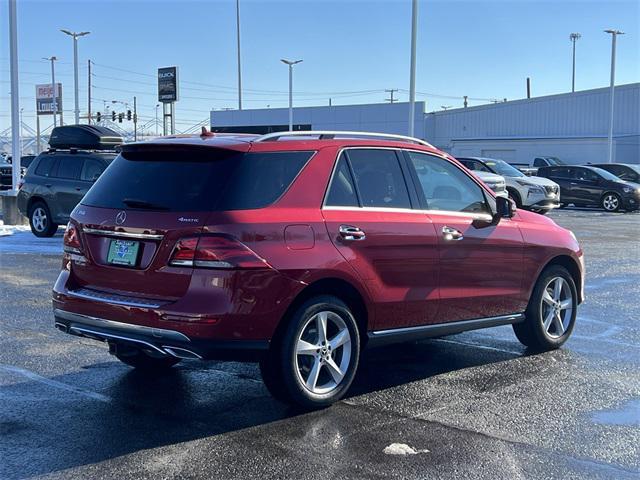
[71, 240]
[214, 251]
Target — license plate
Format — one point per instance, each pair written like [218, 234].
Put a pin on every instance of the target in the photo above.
[123, 252]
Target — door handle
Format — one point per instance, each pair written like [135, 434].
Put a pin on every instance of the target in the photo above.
[349, 232]
[450, 234]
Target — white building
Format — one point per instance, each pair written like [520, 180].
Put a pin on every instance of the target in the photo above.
[571, 126]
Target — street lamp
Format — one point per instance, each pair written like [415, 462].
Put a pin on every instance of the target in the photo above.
[291, 63]
[412, 71]
[54, 105]
[238, 40]
[573, 37]
[75, 36]
[614, 34]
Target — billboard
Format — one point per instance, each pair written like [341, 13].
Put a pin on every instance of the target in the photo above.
[44, 99]
[168, 84]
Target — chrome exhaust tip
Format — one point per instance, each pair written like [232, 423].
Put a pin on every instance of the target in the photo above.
[182, 353]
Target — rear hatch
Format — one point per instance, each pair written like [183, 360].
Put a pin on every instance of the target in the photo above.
[141, 227]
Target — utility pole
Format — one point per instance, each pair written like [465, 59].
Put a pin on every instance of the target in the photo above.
[614, 34]
[391, 91]
[54, 104]
[528, 87]
[89, 94]
[290, 63]
[75, 36]
[329, 101]
[412, 73]
[574, 37]
[135, 120]
[157, 105]
[239, 69]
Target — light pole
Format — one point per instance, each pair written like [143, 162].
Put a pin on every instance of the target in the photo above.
[412, 73]
[239, 71]
[291, 63]
[54, 105]
[614, 34]
[75, 36]
[15, 96]
[157, 105]
[574, 37]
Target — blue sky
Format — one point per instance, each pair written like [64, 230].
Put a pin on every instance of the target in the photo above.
[352, 50]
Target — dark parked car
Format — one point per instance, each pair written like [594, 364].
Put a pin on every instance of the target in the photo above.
[55, 183]
[57, 179]
[6, 169]
[624, 171]
[588, 186]
[300, 249]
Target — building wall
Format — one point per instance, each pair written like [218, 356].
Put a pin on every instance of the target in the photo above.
[383, 118]
[572, 126]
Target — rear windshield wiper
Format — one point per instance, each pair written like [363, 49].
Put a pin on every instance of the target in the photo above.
[134, 203]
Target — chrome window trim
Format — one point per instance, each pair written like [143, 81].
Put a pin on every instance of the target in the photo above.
[111, 233]
[479, 216]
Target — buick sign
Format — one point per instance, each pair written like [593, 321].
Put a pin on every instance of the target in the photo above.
[168, 84]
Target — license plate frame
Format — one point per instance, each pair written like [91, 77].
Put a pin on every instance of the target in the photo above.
[123, 253]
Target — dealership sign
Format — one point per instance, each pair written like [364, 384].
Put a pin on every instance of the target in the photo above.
[168, 84]
[44, 99]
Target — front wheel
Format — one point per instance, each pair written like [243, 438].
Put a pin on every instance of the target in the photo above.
[611, 202]
[551, 313]
[316, 360]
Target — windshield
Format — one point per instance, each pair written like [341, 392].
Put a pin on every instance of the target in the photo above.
[606, 175]
[503, 168]
[554, 161]
[634, 167]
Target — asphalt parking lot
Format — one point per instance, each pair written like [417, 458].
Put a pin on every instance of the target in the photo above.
[474, 405]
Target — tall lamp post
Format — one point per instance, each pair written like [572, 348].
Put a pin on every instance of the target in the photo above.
[75, 36]
[574, 37]
[54, 105]
[614, 34]
[291, 63]
[239, 70]
[412, 73]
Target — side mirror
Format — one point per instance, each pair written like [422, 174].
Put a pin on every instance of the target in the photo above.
[505, 207]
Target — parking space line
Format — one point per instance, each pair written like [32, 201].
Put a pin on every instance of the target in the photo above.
[54, 383]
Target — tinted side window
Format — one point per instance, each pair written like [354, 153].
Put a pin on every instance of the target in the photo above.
[69, 167]
[91, 169]
[342, 192]
[446, 187]
[538, 162]
[584, 174]
[379, 178]
[44, 166]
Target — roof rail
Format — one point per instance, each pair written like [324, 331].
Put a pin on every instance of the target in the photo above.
[329, 135]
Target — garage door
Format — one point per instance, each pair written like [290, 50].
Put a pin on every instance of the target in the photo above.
[506, 155]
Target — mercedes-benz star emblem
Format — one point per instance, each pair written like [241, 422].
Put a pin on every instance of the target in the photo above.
[121, 217]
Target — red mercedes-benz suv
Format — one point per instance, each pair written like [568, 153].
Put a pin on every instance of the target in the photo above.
[298, 250]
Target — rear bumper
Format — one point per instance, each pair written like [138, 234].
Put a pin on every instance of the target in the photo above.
[158, 342]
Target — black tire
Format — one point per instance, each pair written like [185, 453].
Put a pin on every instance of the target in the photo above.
[515, 196]
[611, 202]
[531, 332]
[141, 361]
[40, 220]
[283, 369]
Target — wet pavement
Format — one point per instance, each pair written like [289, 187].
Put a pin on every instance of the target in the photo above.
[474, 405]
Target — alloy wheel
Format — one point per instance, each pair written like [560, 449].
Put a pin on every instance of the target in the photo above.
[556, 307]
[39, 219]
[323, 352]
[611, 202]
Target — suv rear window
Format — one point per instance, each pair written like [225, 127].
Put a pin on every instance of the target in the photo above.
[193, 180]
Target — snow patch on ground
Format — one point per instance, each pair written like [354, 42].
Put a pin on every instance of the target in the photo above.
[11, 229]
[402, 449]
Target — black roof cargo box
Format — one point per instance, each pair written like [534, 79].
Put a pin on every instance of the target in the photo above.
[86, 137]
